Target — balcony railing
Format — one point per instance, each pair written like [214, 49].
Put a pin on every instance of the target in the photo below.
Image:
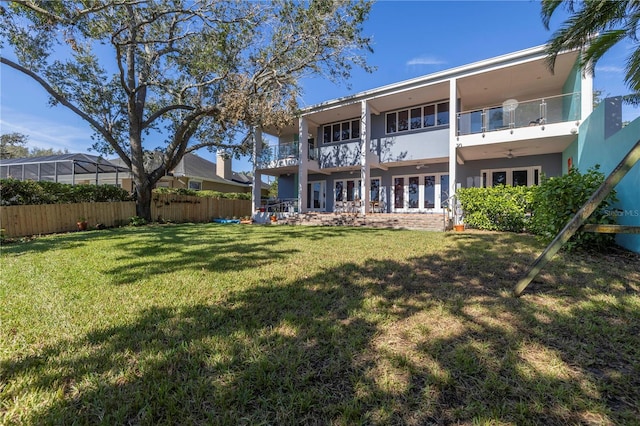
[553, 109]
[273, 156]
[283, 155]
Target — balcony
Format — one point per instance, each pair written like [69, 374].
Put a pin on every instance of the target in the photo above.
[283, 156]
[279, 156]
[513, 114]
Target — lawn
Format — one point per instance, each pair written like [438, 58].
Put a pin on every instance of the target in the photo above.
[235, 324]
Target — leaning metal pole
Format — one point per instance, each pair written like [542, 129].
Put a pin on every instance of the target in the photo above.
[583, 214]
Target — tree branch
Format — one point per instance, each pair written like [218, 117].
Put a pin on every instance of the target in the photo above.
[61, 99]
[164, 110]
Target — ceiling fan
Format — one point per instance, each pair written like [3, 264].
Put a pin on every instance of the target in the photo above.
[510, 154]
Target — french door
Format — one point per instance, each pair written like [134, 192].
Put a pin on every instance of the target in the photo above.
[317, 196]
[420, 193]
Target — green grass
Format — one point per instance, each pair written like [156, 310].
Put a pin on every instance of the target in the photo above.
[219, 324]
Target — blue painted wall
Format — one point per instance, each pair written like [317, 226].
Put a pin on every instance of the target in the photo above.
[601, 140]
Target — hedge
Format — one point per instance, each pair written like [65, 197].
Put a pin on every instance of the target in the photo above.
[499, 208]
[15, 192]
[558, 199]
[205, 194]
[542, 210]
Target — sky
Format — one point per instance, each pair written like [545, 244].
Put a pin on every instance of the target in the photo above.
[410, 39]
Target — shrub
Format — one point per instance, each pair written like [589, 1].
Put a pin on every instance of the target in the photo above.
[204, 193]
[558, 199]
[137, 221]
[15, 192]
[500, 208]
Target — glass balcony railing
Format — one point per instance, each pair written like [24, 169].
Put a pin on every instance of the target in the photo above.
[553, 109]
[274, 156]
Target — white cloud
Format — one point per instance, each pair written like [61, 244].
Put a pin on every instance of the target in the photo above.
[46, 133]
[610, 69]
[425, 60]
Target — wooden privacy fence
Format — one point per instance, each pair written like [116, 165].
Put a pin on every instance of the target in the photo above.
[185, 208]
[19, 221]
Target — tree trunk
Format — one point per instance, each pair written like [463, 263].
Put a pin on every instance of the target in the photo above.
[143, 200]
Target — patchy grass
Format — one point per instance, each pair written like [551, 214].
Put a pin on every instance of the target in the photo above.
[220, 324]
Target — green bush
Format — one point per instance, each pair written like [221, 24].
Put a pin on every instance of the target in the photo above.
[137, 221]
[15, 192]
[177, 191]
[500, 208]
[205, 193]
[558, 199]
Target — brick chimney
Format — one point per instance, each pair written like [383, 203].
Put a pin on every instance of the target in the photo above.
[223, 165]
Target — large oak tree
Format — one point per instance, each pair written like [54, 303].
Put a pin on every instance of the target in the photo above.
[178, 76]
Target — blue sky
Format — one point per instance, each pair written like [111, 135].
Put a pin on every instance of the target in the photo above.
[410, 38]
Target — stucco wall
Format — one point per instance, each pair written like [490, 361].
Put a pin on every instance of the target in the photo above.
[469, 172]
[599, 142]
[410, 145]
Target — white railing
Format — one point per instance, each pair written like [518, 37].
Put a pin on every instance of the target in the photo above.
[548, 110]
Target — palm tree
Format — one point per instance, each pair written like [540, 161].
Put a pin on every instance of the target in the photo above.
[594, 27]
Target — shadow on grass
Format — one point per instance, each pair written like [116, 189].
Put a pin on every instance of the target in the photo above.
[432, 339]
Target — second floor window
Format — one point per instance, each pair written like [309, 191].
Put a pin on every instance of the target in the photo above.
[420, 117]
[342, 131]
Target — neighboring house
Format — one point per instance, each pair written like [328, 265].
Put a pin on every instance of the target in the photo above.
[407, 146]
[194, 172]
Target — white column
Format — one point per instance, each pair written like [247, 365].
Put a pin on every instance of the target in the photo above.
[256, 193]
[586, 95]
[365, 148]
[453, 140]
[303, 163]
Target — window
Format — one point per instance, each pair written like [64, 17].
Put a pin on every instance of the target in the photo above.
[444, 191]
[391, 122]
[336, 133]
[403, 120]
[346, 131]
[355, 129]
[443, 113]
[398, 193]
[347, 190]
[414, 194]
[343, 131]
[499, 178]
[195, 184]
[519, 176]
[339, 187]
[429, 192]
[375, 189]
[418, 117]
[429, 116]
[326, 134]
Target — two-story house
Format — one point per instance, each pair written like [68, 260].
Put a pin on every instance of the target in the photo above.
[407, 147]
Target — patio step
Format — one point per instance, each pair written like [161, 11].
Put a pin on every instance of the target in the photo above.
[424, 221]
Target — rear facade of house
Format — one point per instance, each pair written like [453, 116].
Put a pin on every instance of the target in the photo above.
[406, 147]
